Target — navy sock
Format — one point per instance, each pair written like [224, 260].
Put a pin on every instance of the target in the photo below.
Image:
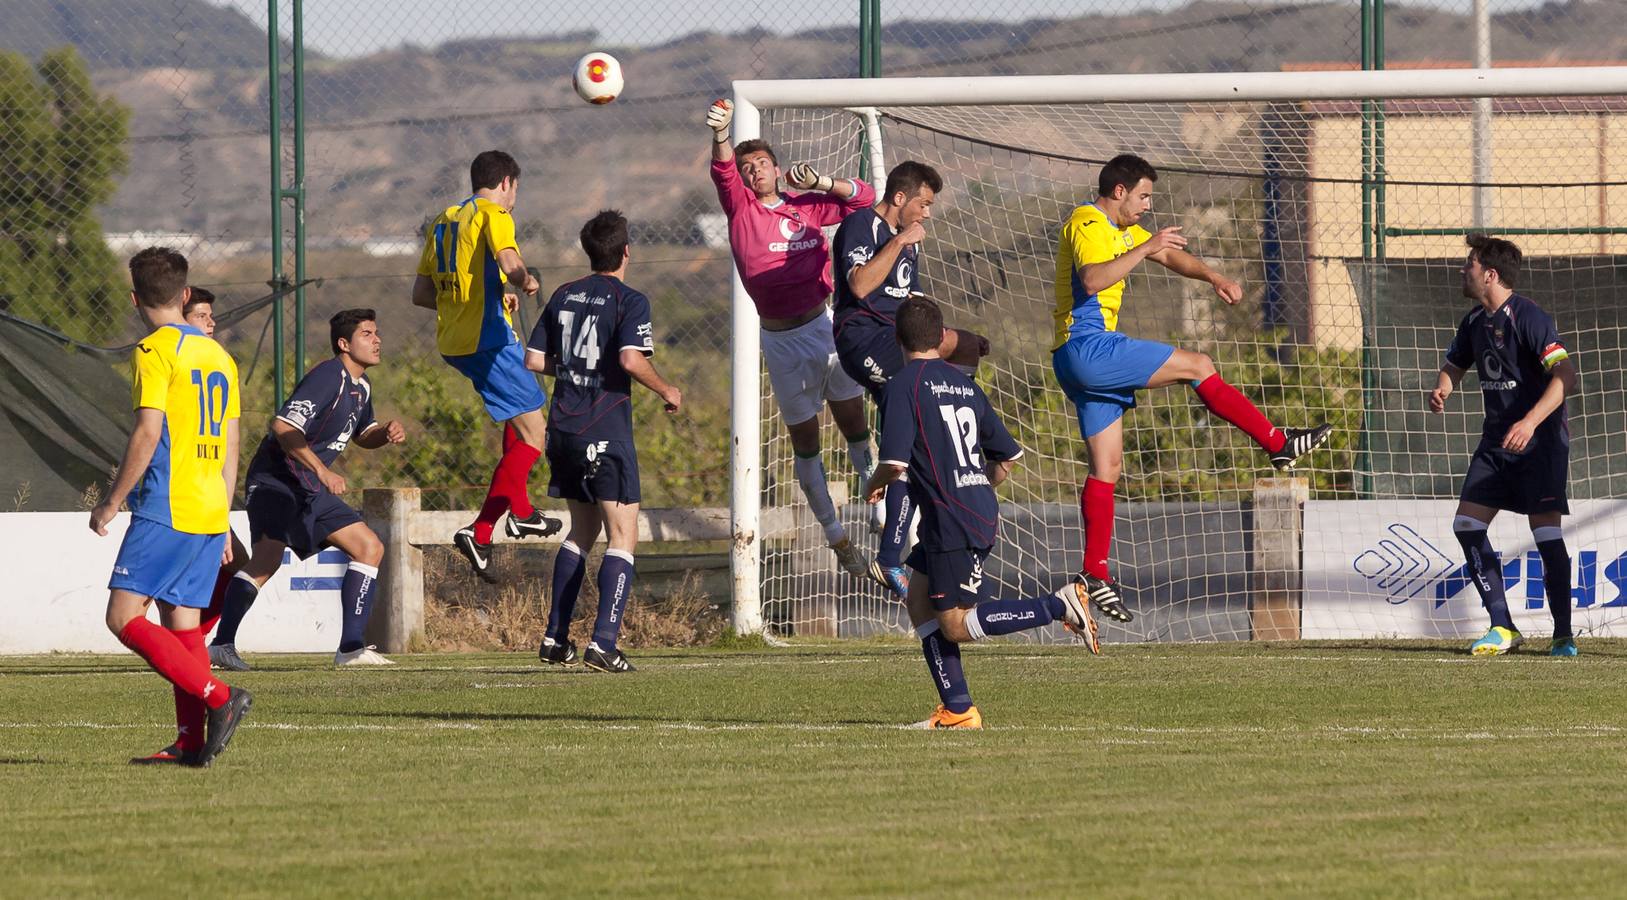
[356, 605]
[1556, 576]
[1484, 570]
[943, 662]
[895, 524]
[569, 570]
[996, 617]
[240, 595]
[615, 584]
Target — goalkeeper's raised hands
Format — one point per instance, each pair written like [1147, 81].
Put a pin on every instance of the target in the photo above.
[803, 177]
[718, 117]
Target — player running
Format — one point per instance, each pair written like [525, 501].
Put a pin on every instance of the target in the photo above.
[469, 253]
[1101, 369]
[785, 267]
[595, 338]
[293, 494]
[938, 425]
[877, 253]
[178, 471]
[1523, 458]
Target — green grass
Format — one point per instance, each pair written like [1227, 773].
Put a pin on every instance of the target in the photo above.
[1328, 769]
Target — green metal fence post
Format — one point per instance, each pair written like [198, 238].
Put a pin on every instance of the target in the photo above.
[298, 193]
[278, 279]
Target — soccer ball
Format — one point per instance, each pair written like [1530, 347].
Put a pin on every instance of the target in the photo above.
[598, 78]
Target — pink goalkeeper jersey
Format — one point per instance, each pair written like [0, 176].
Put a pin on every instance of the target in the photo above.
[783, 259]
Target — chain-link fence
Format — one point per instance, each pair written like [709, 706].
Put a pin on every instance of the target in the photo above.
[153, 126]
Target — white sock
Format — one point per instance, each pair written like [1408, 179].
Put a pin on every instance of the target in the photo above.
[811, 475]
[864, 462]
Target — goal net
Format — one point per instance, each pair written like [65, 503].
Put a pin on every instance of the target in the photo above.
[1344, 218]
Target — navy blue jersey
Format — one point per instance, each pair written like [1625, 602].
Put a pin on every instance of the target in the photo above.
[585, 326]
[329, 408]
[1512, 350]
[858, 239]
[938, 424]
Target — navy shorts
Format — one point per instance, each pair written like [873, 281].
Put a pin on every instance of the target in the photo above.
[303, 523]
[1525, 483]
[501, 379]
[591, 471]
[1101, 372]
[869, 353]
[159, 562]
[955, 578]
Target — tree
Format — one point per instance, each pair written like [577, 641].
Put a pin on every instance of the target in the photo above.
[61, 149]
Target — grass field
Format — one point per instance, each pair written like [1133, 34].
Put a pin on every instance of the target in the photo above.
[1354, 770]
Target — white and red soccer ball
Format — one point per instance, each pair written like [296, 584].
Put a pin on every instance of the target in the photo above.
[597, 78]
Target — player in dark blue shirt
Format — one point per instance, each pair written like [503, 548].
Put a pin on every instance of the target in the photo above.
[1523, 459]
[293, 494]
[595, 339]
[939, 427]
[878, 264]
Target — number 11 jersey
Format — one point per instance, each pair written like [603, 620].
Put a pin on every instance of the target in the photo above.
[585, 326]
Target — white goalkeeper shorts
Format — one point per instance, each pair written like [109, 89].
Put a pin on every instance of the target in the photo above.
[804, 371]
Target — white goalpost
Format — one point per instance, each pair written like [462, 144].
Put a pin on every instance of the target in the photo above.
[1340, 199]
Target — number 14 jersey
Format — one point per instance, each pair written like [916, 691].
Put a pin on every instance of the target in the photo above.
[584, 328]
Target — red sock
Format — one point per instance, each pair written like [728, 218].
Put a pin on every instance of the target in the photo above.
[508, 489]
[190, 713]
[510, 437]
[163, 650]
[1229, 403]
[1096, 505]
[217, 602]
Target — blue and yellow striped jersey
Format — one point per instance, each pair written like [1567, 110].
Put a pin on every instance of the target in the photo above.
[460, 256]
[1089, 237]
[193, 381]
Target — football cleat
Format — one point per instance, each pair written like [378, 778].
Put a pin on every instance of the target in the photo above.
[223, 722]
[1498, 640]
[224, 656]
[1299, 441]
[850, 558]
[538, 525]
[893, 578]
[365, 656]
[557, 653]
[1104, 595]
[943, 718]
[478, 554]
[1076, 615]
[1564, 647]
[606, 660]
[171, 755]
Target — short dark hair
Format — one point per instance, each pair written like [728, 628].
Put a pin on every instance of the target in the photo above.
[199, 295]
[755, 145]
[604, 238]
[343, 325]
[1126, 169]
[158, 276]
[490, 168]
[1498, 255]
[920, 325]
[908, 177]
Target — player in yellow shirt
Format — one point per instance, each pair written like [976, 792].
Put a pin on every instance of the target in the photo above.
[178, 472]
[1101, 369]
[469, 253]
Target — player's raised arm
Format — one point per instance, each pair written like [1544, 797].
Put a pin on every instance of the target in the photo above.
[718, 117]
[1186, 265]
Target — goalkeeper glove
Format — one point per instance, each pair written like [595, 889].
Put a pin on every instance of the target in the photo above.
[803, 177]
[718, 117]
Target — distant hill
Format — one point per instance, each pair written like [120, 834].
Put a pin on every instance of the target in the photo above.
[136, 34]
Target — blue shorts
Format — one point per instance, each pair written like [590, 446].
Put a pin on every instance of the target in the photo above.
[589, 471]
[1101, 372]
[300, 522]
[159, 562]
[501, 379]
[869, 353]
[954, 578]
[1524, 483]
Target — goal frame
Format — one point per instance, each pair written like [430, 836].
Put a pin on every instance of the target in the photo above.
[754, 96]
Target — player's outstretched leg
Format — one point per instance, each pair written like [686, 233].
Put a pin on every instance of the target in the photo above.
[1556, 578]
[810, 472]
[1286, 446]
[1486, 573]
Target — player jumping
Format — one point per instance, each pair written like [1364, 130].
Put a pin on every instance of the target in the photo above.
[938, 426]
[1524, 453]
[595, 339]
[1101, 369]
[785, 267]
[178, 471]
[469, 253]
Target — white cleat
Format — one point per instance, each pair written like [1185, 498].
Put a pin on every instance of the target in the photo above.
[1076, 615]
[366, 656]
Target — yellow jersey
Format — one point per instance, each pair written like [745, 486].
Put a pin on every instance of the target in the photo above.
[460, 256]
[1089, 238]
[193, 381]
